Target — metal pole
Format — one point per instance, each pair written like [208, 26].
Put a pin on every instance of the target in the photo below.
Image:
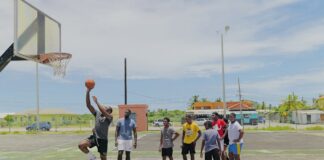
[240, 97]
[37, 96]
[293, 96]
[223, 76]
[269, 114]
[125, 79]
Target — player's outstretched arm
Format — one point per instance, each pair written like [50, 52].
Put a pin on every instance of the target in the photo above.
[90, 107]
[102, 109]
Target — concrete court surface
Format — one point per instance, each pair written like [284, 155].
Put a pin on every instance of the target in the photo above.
[299, 145]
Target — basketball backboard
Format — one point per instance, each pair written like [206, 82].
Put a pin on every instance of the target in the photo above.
[35, 32]
[37, 37]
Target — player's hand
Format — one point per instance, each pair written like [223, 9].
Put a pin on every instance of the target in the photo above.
[89, 89]
[160, 149]
[116, 144]
[201, 155]
[236, 140]
[135, 145]
[94, 98]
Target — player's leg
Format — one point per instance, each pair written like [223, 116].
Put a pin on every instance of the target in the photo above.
[128, 155]
[120, 154]
[103, 148]
[184, 151]
[87, 143]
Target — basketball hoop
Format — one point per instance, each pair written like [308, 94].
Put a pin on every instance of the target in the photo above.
[57, 60]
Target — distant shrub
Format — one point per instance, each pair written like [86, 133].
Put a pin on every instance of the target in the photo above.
[315, 128]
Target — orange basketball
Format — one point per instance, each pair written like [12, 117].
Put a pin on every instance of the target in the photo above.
[90, 83]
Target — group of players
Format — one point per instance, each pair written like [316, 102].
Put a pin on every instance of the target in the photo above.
[218, 136]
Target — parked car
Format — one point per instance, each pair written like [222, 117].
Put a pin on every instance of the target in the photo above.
[44, 126]
[158, 123]
[201, 121]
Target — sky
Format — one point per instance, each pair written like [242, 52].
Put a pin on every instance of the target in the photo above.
[173, 51]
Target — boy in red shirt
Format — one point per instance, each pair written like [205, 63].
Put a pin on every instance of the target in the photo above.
[220, 125]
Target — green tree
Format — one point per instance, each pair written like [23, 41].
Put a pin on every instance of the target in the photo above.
[9, 119]
[218, 99]
[193, 100]
[204, 100]
[291, 103]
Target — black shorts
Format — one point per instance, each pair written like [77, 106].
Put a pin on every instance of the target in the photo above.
[100, 143]
[226, 140]
[186, 148]
[212, 155]
[167, 152]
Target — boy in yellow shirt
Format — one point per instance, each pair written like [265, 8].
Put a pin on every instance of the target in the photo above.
[190, 134]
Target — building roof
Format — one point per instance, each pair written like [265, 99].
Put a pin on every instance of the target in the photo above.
[230, 105]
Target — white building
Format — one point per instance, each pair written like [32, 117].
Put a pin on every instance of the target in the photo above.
[307, 116]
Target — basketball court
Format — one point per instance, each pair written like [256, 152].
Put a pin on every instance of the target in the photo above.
[258, 145]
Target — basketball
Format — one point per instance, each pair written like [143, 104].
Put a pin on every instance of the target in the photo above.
[90, 83]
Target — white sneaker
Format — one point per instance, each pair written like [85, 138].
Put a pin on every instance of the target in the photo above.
[92, 158]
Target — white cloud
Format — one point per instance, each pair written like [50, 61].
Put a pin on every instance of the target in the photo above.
[167, 39]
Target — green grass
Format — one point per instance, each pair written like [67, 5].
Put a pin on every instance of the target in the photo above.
[315, 128]
[272, 128]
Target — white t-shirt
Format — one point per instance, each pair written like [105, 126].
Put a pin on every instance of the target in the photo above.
[233, 132]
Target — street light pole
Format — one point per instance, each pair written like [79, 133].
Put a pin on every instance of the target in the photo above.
[223, 71]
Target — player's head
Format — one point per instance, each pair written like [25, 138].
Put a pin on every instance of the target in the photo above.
[166, 121]
[189, 118]
[232, 117]
[109, 109]
[208, 124]
[215, 116]
[127, 113]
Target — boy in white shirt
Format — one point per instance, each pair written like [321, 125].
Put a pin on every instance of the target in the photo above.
[235, 135]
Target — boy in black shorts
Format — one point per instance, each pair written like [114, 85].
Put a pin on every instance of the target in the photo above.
[99, 138]
[166, 140]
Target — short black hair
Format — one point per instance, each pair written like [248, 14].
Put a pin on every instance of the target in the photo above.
[234, 115]
[208, 124]
[189, 116]
[109, 109]
[216, 114]
[167, 119]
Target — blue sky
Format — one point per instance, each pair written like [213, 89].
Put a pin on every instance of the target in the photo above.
[173, 52]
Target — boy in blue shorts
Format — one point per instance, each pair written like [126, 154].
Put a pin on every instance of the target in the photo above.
[235, 135]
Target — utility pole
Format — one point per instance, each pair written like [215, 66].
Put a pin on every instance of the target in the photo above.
[37, 97]
[223, 70]
[125, 80]
[269, 113]
[240, 98]
[293, 96]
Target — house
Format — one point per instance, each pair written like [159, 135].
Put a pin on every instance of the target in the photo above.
[246, 105]
[307, 116]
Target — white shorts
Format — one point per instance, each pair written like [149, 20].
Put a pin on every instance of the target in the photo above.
[222, 144]
[125, 145]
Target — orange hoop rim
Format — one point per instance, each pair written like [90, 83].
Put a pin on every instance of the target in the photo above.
[56, 56]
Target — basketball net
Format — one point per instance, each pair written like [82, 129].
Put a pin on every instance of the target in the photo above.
[58, 61]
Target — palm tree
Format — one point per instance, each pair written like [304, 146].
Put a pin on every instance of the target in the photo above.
[291, 103]
[193, 100]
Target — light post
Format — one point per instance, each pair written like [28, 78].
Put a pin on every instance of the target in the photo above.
[223, 74]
